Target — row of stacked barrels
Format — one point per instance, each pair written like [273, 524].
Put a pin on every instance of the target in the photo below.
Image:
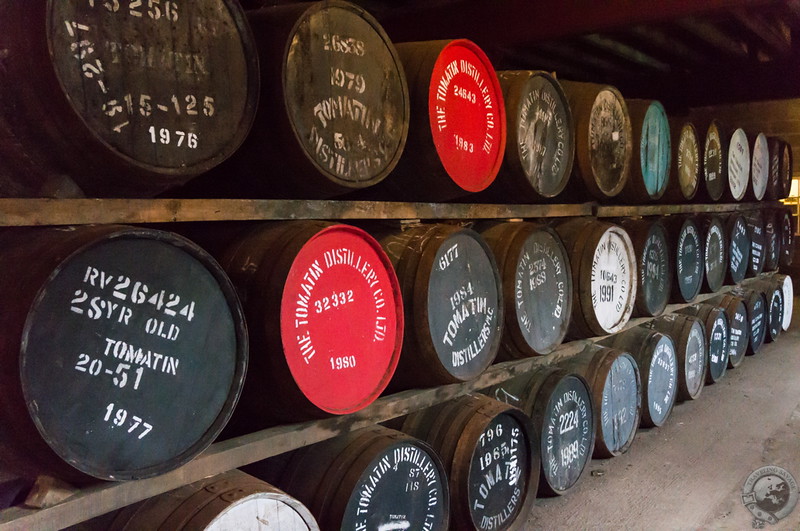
[119, 368]
[117, 99]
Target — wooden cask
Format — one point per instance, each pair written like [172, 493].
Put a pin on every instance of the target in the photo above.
[540, 147]
[739, 336]
[772, 242]
[717, 330]
[490, 452]
[788, 299]
[684, 175]
[715, 252]
[457, 128]
[756, 305]
[759, 167]
[655, 356]
[739, 247]
[453, 303]
[536, 280]
[786, 169]
[787, 226]
[772, 289]
[689, 336]
[373, 478]
[653, 261]
[738, 165]
[652, 152]
[603, 137]
[758, 242]
[561, 407]
[124, 99]
[334, 105]
[113, 366]
[613, 378]
[686, 249]
[604, 276]
[325, 320]
[775, 181]
[233, 500]
[715, 161]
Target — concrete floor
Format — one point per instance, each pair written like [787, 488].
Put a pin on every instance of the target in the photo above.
[689, 473]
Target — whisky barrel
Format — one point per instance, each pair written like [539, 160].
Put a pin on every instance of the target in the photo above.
[738, 165]
[373, 478]
[686, 249]
[113, 366]
[786, 169]
[758, 242]
[788, 299]
[739, 247]
[715, 161]
[613, 378]
[715, 252]
[655, 356]
[325, 320]
[772, 242]
[233, 500]
[126, 100]
[689, 336]
[536, 280]
[772, 290]
[603, 137]
[453, 303]
[561, 407]
[490, 452]
[603, 276]
[684, 175]
[540, 147]
[651, 248]
[457, 128]
[756, 305]
[334, 105]
[717, 330]
[775, 181]
[759, 167]
[652, 152]
[739, 326]
[786, 224]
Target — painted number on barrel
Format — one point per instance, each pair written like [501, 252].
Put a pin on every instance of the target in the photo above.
[569, 453]
[343, 362]
[167, 137]
[145, 106]
[119, 376]
[119, 417]
[348, 80]
[334, 300]
[462, 144]
[337, 43]
[568, 422]
[607, 293]
[153, 9]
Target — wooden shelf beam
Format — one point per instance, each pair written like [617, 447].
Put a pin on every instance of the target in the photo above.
[39, 212]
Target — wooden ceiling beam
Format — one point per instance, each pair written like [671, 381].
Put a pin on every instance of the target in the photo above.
[520, 22]
[713, 36]
[660, 43]
[628, 53]
[756, 24]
